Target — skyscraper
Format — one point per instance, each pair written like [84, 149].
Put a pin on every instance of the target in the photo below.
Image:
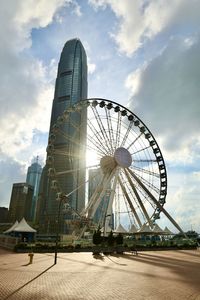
[20, 202]
[33, 179]
[70, 88]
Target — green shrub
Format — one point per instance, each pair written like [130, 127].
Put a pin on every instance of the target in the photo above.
[22, 246]
[69, 247]
[111, 239]
[119, 239]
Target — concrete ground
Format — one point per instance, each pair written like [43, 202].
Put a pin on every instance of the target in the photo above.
[150, 275]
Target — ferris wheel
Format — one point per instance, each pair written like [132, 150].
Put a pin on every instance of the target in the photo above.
[113, 161]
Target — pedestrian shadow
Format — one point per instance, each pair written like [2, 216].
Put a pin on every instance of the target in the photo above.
[21, 287]
[37, 260]
[195, 254]
[27, 264]
[115, 261]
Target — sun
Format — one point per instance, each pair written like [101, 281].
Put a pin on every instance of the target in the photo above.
[92, 158]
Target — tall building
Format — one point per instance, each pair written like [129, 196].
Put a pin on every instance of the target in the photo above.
[3, 214]
[70, 88]
[20, 202]
[33, 178]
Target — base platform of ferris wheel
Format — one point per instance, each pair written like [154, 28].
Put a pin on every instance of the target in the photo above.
[152, 275]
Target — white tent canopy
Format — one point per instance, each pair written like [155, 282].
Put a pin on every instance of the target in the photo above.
[157, 229]
[145, 229]
[12, 227]
[22, 226]
[120, 229]
[133, 229]
[167, 231]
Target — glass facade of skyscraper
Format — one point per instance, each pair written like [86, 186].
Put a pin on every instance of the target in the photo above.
[70, 88]
[33, 179]
[20, 202]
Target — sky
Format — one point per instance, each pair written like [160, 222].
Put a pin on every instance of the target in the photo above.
[143, 54]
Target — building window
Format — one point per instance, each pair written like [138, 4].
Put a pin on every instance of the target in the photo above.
[69, 72]
[64, 85]
[64, 98]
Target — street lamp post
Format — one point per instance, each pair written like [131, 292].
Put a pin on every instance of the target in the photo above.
[60, 198]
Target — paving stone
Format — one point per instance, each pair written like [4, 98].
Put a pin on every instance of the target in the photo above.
[156, 275]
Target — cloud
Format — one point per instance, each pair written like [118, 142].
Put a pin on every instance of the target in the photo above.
[77, 8]
[166, 94]
[141, 21]
[25, 90]
[10, 170]
[25, 98]
[20, 17]
[26, 86]
[134, 79]
[183, 202]
[91, 67]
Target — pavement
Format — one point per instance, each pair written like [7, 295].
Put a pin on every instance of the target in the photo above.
[150, 275]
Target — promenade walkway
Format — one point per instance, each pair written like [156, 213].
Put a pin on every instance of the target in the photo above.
[150, 275]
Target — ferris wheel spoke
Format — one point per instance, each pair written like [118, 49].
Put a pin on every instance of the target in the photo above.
[145, 171]
[96, 137]
[138, 198]
[130, 192]
[127, 133]
[98, 194]
[147, 183]
[145, 160]
[68, 137]
[76, 142]
[111, 198]
[76, 189]
[103, 209]
[76, 170]
[72, 139]
[99, 198]
[65, 153]
[95, 194]
[129, 202]
[97, 145]
[102, 129]
[143, 149]
[109, 128]
[74, 124]
[146, 197]
[117, 138]
[92, 199]
[135, 140]
[129, 211]
[157, 203]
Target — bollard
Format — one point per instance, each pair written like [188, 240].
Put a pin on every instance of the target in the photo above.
[31, 257]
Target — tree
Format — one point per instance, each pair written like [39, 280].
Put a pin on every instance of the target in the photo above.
[97, 238]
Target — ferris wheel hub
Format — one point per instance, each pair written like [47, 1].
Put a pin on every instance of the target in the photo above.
[123, 157]
[107, 164]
